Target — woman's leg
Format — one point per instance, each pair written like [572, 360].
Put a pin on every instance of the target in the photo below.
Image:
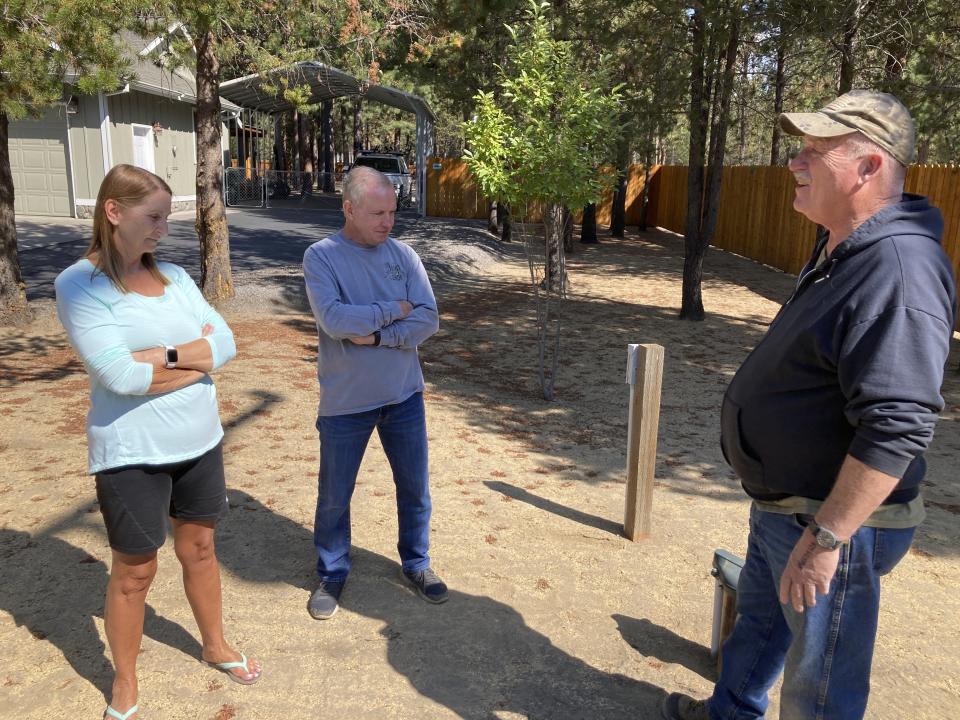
[193, 543]
[130, 578]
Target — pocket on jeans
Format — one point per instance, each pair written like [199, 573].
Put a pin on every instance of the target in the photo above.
[890, 546]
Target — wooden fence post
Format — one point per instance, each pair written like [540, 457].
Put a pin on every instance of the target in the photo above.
[645, 377]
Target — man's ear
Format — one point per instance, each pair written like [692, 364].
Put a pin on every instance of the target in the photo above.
[870, 166]
[348, 209]
[111, 208]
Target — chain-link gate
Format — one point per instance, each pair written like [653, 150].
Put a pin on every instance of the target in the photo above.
[249, 188]
[244, 188]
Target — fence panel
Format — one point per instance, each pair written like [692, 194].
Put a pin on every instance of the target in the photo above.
[756, 219]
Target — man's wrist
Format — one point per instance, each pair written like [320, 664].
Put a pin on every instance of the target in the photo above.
[376, 338]
[825, 537]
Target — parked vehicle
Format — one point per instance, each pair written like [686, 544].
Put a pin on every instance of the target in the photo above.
[394, 167]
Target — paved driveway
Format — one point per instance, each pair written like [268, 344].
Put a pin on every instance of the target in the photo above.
[259, 239]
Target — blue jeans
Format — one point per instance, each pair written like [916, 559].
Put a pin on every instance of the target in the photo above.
[826, 651]
[343, 440]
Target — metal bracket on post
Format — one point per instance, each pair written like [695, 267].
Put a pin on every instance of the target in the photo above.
[645, 377]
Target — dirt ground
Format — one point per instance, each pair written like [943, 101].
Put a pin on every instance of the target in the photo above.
[553, 613]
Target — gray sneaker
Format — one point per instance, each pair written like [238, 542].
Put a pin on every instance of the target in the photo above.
[324, 601]
[430, 587]
[677, 706]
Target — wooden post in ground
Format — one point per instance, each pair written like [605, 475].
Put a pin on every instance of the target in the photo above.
[645, 377]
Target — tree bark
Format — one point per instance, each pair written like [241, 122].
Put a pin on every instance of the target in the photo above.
[13, 292]
[780, 83]
[327, 163]
[856, 10]
[618, 211]
[493, 218]
[216, 277]
[588, 227]
[503, 220]
[567, 228]
[691, 307]
[306, 154]
[645, 192]
[553, 239]
[357, 127]
[295, 138]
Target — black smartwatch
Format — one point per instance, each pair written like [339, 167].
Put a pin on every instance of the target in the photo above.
[376, 338]
[172, 357]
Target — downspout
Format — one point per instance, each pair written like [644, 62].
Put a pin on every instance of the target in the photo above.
[105, 145]
[73, 184]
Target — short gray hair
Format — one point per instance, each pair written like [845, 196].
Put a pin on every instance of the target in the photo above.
[860, 145]
[358, 181]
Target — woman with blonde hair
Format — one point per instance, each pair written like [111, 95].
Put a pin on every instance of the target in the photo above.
[148, 340]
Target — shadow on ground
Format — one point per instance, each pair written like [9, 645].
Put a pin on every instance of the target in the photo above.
[474, 655]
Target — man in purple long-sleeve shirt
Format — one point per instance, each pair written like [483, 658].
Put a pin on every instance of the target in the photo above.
[373, 305]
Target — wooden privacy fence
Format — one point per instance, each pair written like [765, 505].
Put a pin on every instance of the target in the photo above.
[451, 192]
[757, 219]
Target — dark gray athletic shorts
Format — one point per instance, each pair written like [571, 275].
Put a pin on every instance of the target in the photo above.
[135, 500]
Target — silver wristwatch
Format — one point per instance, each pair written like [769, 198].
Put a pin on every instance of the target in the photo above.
[824, 537]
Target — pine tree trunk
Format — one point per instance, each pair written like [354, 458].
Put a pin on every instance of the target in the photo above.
[618, 212]
[848, 45]
[357, 127]
[503, 220]
[779, 84]
[327, 163]
[13, 293]
[567, 227]
[691, 307]
[216, 278]
[588, 227]
[306, 153]
[295, 139]
[645, 192]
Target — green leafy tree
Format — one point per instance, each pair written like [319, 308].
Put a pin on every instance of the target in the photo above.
[241, 37]
[543, 139]
[47, 50]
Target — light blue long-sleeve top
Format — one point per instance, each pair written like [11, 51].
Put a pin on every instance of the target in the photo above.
[354, 291]
[125, 426]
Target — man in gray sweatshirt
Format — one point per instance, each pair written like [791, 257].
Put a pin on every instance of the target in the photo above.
[373, 305]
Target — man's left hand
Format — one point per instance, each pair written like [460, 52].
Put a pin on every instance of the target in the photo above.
[809, 571]
[365, 340]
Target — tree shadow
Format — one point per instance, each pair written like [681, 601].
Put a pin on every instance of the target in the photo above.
[474, 655]
[55, 590]
[652, 640]
[25, 358]
[563, 511]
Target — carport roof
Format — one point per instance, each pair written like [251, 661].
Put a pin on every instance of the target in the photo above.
[325, 83]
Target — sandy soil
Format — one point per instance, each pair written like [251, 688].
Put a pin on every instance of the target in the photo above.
[553, 613]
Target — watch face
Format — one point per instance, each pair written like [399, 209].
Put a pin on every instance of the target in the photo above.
[826, 539]
[172, 356]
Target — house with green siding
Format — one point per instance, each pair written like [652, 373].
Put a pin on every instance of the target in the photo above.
[59, 160]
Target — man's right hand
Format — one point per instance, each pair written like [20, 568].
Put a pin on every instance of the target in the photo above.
[405, 308]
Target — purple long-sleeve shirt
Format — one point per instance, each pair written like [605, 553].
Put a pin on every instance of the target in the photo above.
[354, 291]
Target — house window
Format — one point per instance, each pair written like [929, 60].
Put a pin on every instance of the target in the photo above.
[143, 153]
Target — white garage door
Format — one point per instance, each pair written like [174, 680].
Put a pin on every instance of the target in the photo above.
[38, 159]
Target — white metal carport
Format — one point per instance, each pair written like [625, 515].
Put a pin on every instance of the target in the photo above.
[327, 83]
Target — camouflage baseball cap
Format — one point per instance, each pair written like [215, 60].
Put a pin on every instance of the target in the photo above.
[879, 116]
